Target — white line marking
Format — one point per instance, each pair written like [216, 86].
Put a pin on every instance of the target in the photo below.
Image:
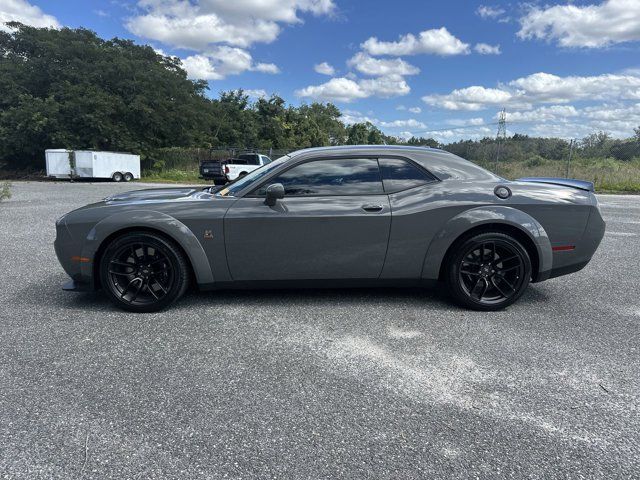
[622, 234]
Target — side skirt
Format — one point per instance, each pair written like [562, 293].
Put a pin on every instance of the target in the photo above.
[319, 284]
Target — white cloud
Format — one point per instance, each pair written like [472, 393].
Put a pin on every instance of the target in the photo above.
[470, 98]
[590, 26]
[258, 93]
[219, 62]
[545, 87]
[380, 67]
[347, 90]
[23, 12]
[271, 68]
[415, 109]
[543, 114]
[386, 87]
[486, 11]
[436, 42]
[197, 25]
[409, 123]
[349, 117]
[465, 122]
[486, 49]
[324, 69]
[405, 135]
[335, 90]
[541, 87]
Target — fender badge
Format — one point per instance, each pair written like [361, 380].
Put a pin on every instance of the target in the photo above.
[208, 234]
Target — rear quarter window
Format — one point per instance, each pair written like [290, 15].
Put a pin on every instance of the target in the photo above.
[399, 174]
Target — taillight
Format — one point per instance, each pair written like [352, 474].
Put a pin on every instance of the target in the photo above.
[226, 169]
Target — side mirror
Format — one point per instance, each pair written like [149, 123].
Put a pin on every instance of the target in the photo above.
[274, 192]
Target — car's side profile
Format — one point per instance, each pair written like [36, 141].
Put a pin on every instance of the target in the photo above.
[352, 216]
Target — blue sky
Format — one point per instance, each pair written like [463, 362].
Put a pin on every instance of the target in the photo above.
[412, 67]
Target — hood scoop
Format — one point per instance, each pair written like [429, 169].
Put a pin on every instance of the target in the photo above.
[151, 195]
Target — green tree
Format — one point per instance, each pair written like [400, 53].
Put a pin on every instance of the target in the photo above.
[364, 134]
[70, 88]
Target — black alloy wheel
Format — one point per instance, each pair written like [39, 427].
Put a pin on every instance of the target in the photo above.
[143, 272]
[488, 271]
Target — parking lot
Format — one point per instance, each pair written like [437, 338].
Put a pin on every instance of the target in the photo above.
[315, 384]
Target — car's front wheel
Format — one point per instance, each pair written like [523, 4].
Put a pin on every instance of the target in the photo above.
[488, 271]
[143, 272]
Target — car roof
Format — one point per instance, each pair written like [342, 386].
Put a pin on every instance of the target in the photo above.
[437, 161]
[372, 148]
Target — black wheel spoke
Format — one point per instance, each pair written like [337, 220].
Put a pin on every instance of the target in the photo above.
[469, 272]
[505, 270]
[502, 292]
[479, 289]
[121, 264]
[126, 289]
[135, 295]
[152, 292]
[161, 287]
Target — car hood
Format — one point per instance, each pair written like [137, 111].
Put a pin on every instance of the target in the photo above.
[153, 194]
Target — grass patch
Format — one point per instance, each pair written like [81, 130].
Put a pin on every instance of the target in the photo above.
[174, 176]
[608, 175]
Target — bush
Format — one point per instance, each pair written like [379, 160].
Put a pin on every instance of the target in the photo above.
[5, 191]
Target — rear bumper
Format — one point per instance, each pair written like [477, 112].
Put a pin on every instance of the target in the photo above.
[571, 261]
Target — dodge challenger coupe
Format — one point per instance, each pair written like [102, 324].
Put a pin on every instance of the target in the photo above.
[336, 216]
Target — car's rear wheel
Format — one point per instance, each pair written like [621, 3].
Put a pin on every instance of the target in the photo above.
[143, 272]
[117, 177]
[488, 271]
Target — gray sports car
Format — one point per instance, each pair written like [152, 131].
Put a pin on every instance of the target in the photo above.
[336, 216]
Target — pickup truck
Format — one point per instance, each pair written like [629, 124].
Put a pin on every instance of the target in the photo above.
[224, 171]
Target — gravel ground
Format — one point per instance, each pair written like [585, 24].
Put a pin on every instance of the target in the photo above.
[315, 384]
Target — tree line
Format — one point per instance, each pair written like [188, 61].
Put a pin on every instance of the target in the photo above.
[69, 88]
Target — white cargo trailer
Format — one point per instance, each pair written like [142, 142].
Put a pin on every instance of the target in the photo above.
[90, 164]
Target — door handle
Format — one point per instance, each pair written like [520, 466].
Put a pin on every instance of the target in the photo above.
[372, 208]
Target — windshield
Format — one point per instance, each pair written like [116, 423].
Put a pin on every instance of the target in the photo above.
[233, 188]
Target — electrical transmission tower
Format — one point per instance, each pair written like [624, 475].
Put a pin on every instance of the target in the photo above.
[502, 135]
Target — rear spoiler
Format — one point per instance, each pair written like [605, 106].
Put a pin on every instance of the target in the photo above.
[565, 182]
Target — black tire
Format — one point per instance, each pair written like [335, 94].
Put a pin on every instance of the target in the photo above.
[143, 272]
[242, 174]
[488, 271]
[128, 177]
[117, 177]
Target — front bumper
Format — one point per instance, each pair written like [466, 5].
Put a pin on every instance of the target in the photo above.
[68, 250]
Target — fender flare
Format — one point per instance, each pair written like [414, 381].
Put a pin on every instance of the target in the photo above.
[478, 216]
[152, 219]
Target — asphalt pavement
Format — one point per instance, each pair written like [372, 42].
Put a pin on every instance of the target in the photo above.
[315, 384]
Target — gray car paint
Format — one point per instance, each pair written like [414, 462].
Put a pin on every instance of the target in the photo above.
[241, 239]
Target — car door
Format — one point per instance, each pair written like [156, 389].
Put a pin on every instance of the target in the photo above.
[333, 223]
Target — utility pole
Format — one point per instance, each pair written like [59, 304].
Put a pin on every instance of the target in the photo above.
[569, 159]
[501, 136]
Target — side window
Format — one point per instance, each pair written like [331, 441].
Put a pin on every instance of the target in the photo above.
[398, 174]
[265, 159]
[352, 176]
